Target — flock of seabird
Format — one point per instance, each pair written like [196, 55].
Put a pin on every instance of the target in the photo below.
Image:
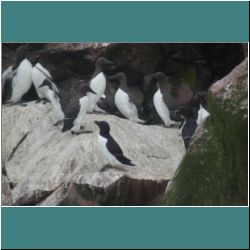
[70, 107]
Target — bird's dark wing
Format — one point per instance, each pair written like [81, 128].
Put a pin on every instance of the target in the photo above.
[114, 148]
[188, 131]
[65, 98]
[170, 101]
[71, 113]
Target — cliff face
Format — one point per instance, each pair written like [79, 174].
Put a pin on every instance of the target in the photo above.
[215, 169]
[198, 65]
[47, 167]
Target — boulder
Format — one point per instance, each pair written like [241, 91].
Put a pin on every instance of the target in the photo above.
[48, 167]
[215, 169]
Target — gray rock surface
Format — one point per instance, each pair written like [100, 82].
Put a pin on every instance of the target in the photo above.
[49, 167]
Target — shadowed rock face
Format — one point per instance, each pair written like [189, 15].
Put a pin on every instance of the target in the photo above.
[48, 167]
[215, 169]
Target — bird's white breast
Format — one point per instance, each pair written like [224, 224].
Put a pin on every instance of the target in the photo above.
[22, 81]
[39, 74]
[102, 141]
[82, 112]
[161, 108]
[56, 105]
[123, 104]
[202, 115]
[98, 84]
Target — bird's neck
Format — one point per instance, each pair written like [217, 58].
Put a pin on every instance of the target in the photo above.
[104, 133]
[98, 70]
[123, 85]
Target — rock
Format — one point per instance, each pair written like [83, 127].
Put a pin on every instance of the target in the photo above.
[215, 168]
[49, 167]
[6, 192]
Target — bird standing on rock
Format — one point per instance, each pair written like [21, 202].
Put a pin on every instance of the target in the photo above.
[199, 105]
[39, 74]
[17, 78]
[54, 97]
[97, 83]
[125, 102]
[164, 102]
[76, 110]
[109, 147]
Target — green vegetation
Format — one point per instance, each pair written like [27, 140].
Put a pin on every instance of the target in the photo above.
[215, 168]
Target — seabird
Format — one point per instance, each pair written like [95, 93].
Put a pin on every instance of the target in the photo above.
[189, 125]
[76, 110]
[97, 83]
[199, 105]
[53, 96]
[164, 102]
[125, 102]
[17, 79]
[109, 147]
[39, 74]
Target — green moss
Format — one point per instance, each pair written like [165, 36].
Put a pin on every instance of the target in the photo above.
[214, 170]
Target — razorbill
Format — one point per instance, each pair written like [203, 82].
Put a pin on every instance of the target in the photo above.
[20, 80]
[97, 83]
[189, 125]
[124, 101]
[76, 109]
[164, 102]
[39, 74]
[110, 149]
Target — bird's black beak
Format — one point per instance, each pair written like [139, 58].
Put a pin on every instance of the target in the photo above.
[97, 123]
[91, 90]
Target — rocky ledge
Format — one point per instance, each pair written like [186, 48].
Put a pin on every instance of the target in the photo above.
[43, 166]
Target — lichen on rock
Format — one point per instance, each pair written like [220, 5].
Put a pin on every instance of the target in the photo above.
[215, 169]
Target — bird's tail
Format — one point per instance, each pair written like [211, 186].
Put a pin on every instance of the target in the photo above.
[124, 160]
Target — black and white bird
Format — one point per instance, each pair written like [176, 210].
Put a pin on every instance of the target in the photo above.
[97, 83]
[189, 125]
[54, 97]
[17, 78]
[199, 105]
[164, 102]
[124, 101]
[110, 149]
[76, 110]
[39, 74]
